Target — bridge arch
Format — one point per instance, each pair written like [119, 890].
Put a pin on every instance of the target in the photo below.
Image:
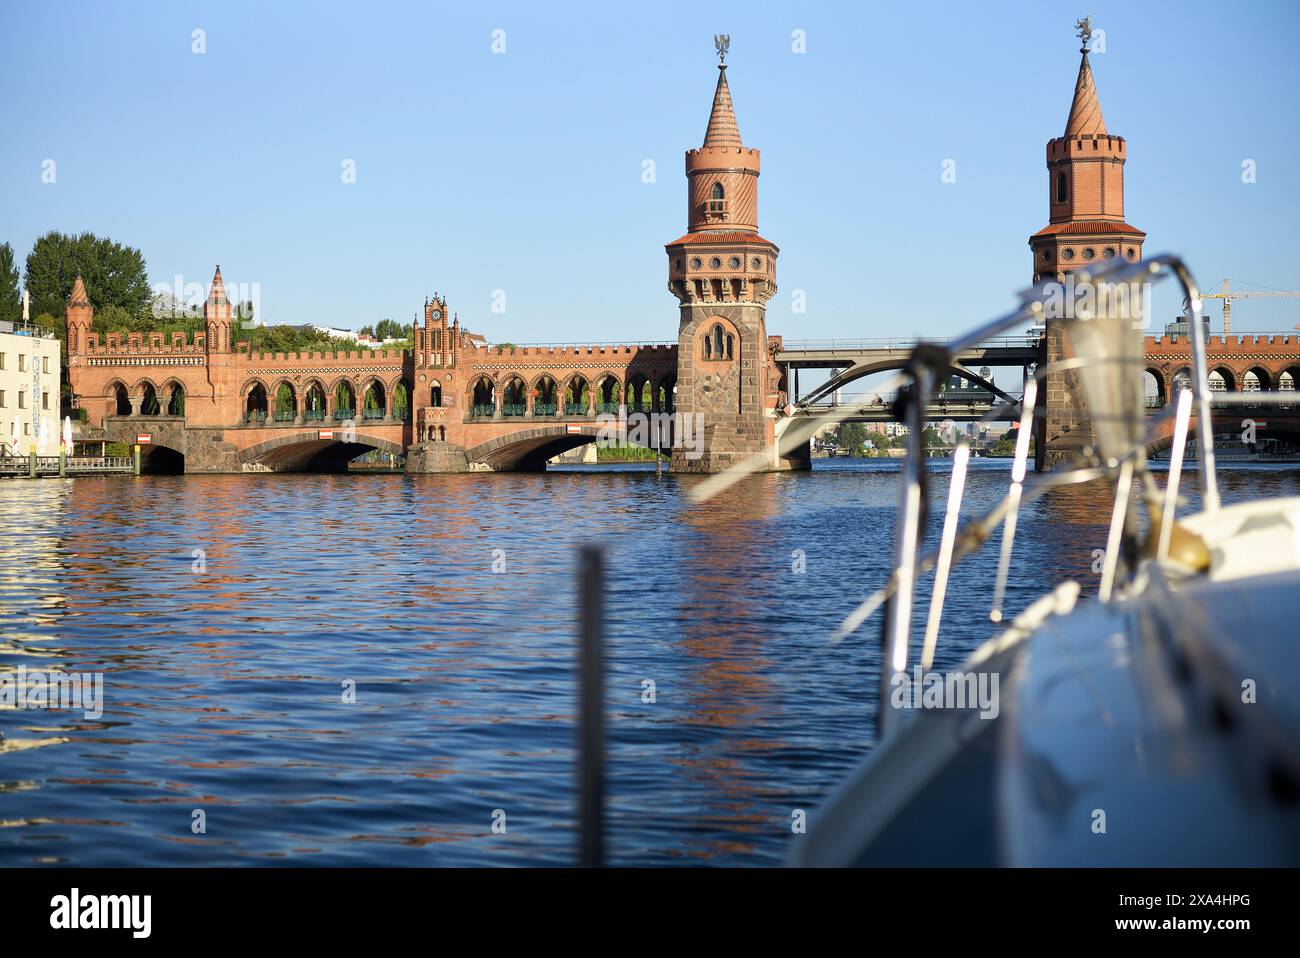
[307, 452]
[607, 392]
[254, 401]
[576, 395]
[342, 396]
[147, 393]
[1154, 387]
[544, 395]
[1222, 380]
[1256, 379]
[116, 396]
[527, 450]
[481, 395]
[314, 401]
[665, 393]
[862, 370]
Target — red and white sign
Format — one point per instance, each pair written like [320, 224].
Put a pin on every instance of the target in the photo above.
[325, 434]
[143, 438]
[573, 429]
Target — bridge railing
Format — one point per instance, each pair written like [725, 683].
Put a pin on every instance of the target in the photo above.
[1028, 341]
[952, 397]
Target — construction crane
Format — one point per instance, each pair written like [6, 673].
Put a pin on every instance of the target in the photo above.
[1228, 295]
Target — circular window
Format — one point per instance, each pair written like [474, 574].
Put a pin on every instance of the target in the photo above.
[1109, 252]
[757, 263]
[714, 262]
[734, 262]
[1089, 252]
[695, 262]
[1067, 254]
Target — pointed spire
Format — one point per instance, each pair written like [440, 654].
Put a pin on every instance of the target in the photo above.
[723, 131]
[217, 295]
[1085, 112]
[78, 297]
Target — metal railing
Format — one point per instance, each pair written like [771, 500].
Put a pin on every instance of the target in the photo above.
[544, 408]
[894, 344]
[931, 360]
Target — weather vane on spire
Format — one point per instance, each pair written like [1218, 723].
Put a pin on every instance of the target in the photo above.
[723, 42]
[1084, 27]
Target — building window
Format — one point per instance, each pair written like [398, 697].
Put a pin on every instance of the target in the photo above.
[22, 400]
[45, 400]
[717, 199]
[2, 360]
[2, 399]
[45, 364]
[1062, 188]
[22, 363]
[717, 341]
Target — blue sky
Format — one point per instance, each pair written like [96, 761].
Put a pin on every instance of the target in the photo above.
[522, 171]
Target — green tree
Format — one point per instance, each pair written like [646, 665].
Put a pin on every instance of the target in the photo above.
[11, 309]
[391, 329]
[114, 274]
[851, 437]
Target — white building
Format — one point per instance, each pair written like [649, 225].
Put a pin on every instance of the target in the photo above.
[30, 387]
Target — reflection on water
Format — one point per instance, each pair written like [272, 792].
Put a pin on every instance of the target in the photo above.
[230, 615]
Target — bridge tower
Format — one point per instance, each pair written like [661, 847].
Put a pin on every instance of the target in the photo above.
[723, 273]
[1085, 182]
[79, 315]
[218, 317]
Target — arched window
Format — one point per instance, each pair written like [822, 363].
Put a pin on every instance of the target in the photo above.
[718, 342]
[708, 347]
[1062, 188]
[255, 404]
[435, 394]
[731, 345]
[314, 407]
[149, 405]
[717, 199]
[176, 404]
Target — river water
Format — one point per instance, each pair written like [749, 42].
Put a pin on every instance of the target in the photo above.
[231, 616]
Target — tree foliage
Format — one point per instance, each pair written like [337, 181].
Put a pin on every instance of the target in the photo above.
[114, 275]
[11, 309]
[851, 437]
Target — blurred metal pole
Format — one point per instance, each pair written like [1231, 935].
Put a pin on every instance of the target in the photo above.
[591, 712]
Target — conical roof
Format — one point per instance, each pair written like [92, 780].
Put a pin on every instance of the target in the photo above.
[723, 131]
[1085, 112]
